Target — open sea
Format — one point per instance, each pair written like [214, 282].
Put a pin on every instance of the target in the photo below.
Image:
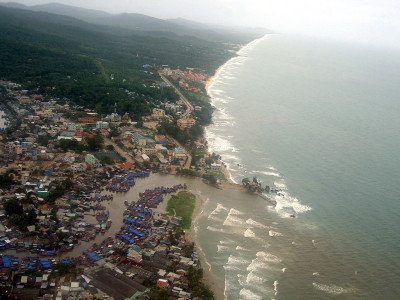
[319, 121]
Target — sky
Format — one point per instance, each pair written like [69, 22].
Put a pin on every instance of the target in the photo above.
[369, 21]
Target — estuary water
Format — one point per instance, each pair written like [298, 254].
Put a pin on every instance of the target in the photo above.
[319, 121]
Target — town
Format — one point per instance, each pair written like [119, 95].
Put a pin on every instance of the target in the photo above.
[63, 167]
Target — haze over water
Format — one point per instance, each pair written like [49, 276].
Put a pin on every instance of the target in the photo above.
[319, 120]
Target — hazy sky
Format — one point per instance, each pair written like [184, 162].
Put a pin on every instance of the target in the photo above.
[361, 20]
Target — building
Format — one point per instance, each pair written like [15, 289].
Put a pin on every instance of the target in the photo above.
[186, 123]
[158, 113]
[179, 153]
[135, 254]
[138, 139]
[102, 125]
[162, 139]
[163, 284]
[149, 151]
[141, 140]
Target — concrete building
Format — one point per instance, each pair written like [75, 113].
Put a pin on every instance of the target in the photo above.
[102, 125]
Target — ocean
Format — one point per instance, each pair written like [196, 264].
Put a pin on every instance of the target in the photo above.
[319, 121]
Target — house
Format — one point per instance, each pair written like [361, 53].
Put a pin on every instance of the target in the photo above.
[135, 255]
[163, 284]
[186, 123]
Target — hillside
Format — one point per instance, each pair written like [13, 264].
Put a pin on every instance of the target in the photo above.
[94, 65]
[139, 22]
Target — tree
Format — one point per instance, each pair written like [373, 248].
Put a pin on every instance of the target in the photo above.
[95, 143]
[12, 207]
[6, 181]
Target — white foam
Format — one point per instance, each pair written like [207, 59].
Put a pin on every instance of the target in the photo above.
[220, 208]
[240, 248]
[255, 223]
[268, 173]
[286, 205]
[215, 229]
[249, 233]
[233, 221]
[222, 248]
[257, 264]
[333, 289]
[252, 278]
[226, 242]
[274, 233]
[237, 260]
[247, 294]
[268, 257]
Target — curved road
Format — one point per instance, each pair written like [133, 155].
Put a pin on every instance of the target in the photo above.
[189, 106]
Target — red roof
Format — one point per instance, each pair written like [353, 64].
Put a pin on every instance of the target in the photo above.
[126, 165]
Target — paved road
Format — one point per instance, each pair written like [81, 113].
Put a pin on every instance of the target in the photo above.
[189, 106]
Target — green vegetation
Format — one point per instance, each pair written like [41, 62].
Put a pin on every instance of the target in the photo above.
[217, 174]
[182, 205]
[6, 181]
[185, 137]
[197, 286]
[187, 172]
[96, 66]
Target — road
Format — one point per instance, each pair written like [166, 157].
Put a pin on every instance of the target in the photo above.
[189, 106]
[189, 157]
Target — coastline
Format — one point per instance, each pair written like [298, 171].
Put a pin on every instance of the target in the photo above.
[191, 236]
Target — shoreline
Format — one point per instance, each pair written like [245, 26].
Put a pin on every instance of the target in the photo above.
[191, 236]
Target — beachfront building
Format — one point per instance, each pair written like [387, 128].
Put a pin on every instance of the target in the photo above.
[186, 123]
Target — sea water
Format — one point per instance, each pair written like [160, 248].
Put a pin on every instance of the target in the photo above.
[318, 121]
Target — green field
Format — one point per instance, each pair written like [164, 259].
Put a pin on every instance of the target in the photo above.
[182, 205]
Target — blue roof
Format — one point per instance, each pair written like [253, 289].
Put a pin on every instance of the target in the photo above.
[67, 133]
[138, 136]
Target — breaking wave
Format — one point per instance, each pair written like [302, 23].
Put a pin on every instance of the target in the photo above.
[333, 289]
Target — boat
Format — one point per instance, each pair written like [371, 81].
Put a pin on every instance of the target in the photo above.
[109, 222]
[103, 228]
[48, 253]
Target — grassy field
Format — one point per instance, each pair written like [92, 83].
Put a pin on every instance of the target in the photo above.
[182, 205]
[217, 174]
